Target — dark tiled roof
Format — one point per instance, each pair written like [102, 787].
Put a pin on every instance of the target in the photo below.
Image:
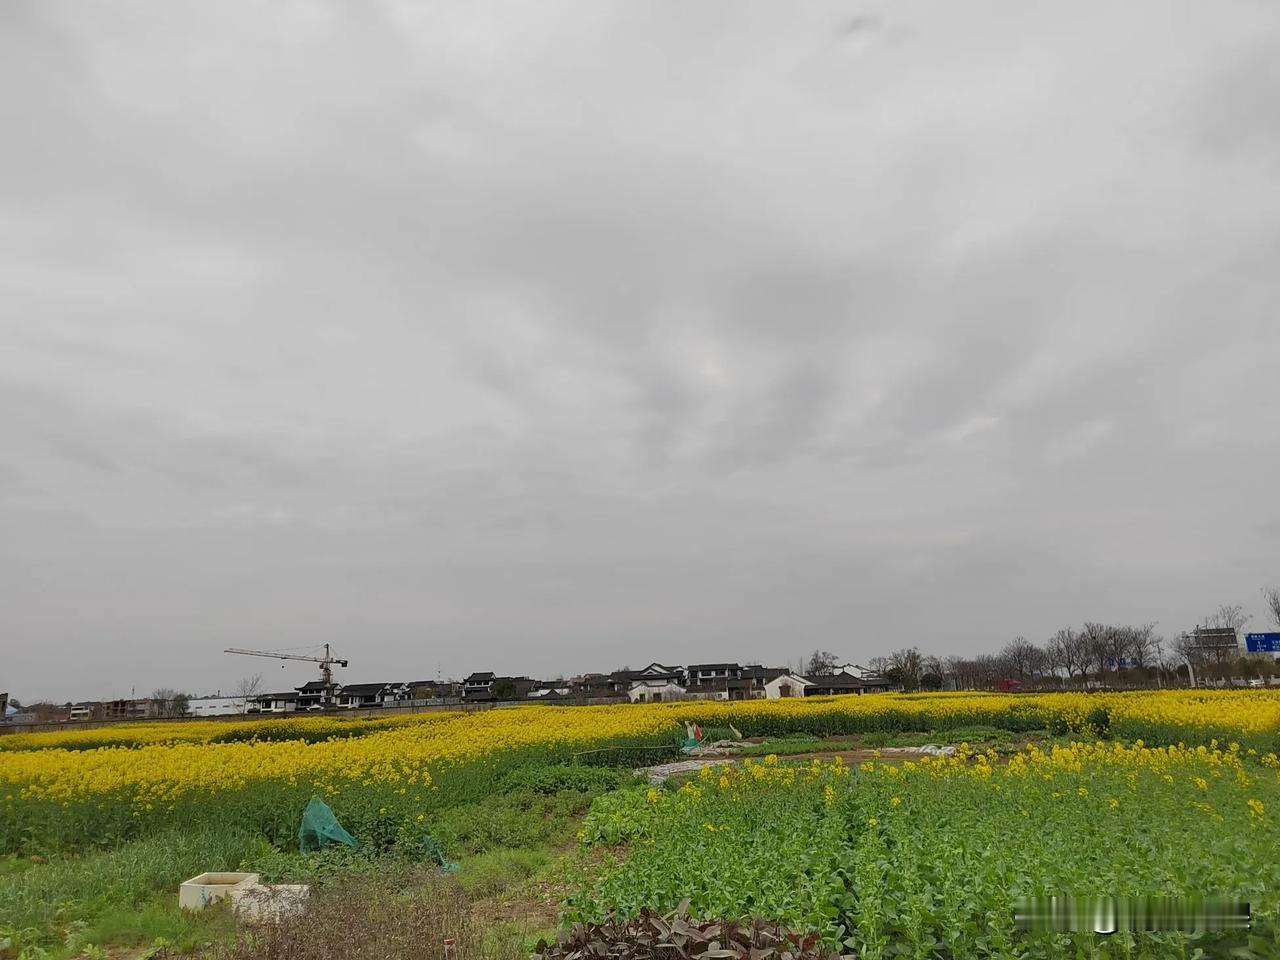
[764, 673]
[838, 681]
[362, 689]
[695, 667]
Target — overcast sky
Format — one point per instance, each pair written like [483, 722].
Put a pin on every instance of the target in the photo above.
[548, 337]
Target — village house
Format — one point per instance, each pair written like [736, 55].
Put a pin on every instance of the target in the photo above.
[655, 690]
[355, 695]
[845, 682]
[786, 685]
[478, 686]
[723, 681]
[551, 691]
[593, 686]
[640, 685]
[85, 710]
[315, 694]
[285, 702]
[140, 708]
[215, 706]
[423, 692]
[485, 686]
[711, 677]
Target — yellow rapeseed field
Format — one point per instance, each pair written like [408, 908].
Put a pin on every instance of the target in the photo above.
[164, 768]
[139, 733]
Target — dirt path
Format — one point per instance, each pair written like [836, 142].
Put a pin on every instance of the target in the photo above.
[660, 772]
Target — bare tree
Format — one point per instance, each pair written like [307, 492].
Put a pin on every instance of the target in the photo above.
[1023, 658]
[954, 670]
[1272, 596]
[879, 666]
[170, 703]
[1184, 644]
[988, 669]
[931, 664]
[1095, 640]
[1228, 616]
[1117, 644]
[1142, 644]
[932, 673]
[245, 690]
[973, 673]
[822, 663]
[908, 663]
[1070, 649]
[1056, 661]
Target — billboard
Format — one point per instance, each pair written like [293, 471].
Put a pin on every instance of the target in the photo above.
[1216, 640]
[1262, 642]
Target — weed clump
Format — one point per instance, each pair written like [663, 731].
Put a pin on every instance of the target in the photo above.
[373, 918]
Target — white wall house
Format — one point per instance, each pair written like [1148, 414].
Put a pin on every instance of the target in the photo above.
[275, 703]
[215, 706]
[787, 685]
[655, 691]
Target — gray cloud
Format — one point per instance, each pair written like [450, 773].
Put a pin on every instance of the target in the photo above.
[561, 336]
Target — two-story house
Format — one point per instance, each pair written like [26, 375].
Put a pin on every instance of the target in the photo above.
[711, 677]
[485, 686]
[354, 695]
[314, 694]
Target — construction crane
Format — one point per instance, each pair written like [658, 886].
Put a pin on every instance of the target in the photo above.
[326, 662]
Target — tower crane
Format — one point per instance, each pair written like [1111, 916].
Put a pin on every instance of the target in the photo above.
[326, 662]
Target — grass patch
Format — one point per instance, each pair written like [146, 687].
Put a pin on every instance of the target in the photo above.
[488, 874]
[157, 922]
[975, 736]
[124, 896]
[323, 866]
[11, 866]
[538, 807]
[784, 746]
[73, 903]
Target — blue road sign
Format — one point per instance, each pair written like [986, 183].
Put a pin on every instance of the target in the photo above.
[1262, 642]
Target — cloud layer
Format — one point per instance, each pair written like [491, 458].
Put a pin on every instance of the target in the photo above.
[559, 336]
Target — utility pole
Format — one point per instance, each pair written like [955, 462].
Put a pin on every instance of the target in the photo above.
[1191, 672]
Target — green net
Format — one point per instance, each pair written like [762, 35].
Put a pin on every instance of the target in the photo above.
[433, 854]
[320, 828]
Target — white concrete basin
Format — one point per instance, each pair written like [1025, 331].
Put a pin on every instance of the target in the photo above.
[198, 892]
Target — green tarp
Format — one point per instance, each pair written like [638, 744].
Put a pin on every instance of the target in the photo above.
[320, 828]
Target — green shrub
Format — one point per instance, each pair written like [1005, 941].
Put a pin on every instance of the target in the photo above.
[1098, 722]
[563, 777]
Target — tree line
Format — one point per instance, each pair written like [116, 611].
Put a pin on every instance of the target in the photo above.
[1091, 654]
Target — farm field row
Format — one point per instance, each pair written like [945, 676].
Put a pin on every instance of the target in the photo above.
[926, 858]
[1166, 715]
[1150, 793]
[53, 798]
